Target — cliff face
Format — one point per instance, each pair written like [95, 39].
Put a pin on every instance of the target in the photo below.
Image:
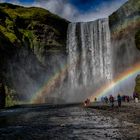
[33, 27]
[125, 36]
[137, 87]
[31, 41]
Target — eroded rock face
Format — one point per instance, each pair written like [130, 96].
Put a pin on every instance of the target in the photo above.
[137, 39]
[2, 95]
[32, 43]
[124, 25]
[137, 86]
[33, 28]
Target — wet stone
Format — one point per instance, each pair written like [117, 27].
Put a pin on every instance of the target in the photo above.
[66, 123]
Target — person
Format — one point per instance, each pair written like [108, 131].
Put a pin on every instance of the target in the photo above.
[102, 99]
[128, 98]
[123, 98]
[111, 99]
[95, 99]
[106, 99]
[134, 95]
[119, 99]
[136, 98]
[87, 102]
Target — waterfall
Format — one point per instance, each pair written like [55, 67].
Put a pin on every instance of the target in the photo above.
[89, 54]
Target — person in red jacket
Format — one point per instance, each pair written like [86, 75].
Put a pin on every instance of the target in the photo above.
[111, 100]
[87, 102]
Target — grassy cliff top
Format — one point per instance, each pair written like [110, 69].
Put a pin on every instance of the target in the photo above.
[36, 24]
[27, 12]
[129, 11]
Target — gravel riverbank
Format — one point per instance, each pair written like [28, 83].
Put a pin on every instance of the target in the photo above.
[70, 122]
[129, 113]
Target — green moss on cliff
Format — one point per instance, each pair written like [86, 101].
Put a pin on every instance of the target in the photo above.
[137, 87]
[10, 35]
[11, 97]
[26, 36]
[33, 23]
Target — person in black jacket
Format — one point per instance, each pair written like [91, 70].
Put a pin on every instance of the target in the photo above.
[119, 99]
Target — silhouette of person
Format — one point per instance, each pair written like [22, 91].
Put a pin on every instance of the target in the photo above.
[119, 99]
[111, 99]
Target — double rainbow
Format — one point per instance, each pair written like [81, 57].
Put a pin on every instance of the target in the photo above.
[46, 88]
[135, 69]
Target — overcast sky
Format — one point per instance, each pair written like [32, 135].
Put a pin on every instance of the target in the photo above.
[75, 10]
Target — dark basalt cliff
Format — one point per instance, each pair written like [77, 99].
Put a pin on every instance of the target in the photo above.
[125, 36]
[30, 39]
[36, 28]
[125, 29]
[137, 87]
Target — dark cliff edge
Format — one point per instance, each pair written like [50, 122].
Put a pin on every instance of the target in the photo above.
[31, 39]
[125, 36]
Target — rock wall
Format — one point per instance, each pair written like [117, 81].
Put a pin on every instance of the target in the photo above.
[125, 26]
[137, 86]
[32, 45]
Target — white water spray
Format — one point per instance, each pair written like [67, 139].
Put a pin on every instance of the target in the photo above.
[89, 53]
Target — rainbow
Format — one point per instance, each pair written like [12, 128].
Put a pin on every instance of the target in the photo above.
[53, 81]
[48, 86]
[103, 91]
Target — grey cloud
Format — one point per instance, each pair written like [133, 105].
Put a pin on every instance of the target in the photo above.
[66, 10]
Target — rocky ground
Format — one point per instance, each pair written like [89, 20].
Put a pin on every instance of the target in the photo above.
[70, 122]
[128, 113]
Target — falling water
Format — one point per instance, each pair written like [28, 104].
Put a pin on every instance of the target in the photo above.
[89, 54]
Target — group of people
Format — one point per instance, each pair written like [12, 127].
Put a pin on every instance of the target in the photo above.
[120, 99]
[111, 99]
